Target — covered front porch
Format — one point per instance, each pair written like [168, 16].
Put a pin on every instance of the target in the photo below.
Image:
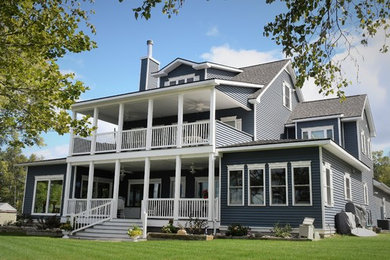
[162, 188]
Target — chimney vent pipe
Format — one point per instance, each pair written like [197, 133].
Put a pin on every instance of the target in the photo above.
[150, 47]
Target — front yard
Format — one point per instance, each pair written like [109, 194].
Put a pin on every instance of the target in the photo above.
[342, 247]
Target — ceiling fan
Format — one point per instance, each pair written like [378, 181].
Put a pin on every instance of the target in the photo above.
[197, 106]
[193, 168]
[124, 172]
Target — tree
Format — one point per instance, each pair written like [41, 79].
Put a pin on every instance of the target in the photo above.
[34, 95]
[12, 177]
[381, 167]
[311, 32]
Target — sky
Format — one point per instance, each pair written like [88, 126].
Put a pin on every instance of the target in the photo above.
[227, 32]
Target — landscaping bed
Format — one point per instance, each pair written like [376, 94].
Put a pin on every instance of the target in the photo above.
[29, 231]
[172, 236]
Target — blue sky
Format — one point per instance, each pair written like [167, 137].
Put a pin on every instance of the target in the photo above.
[221, 31]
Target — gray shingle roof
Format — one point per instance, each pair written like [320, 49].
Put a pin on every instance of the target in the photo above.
[352, 106]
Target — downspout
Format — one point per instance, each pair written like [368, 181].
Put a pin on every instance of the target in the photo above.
[322, 189]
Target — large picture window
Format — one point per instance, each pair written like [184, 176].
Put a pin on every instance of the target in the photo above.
[301, 174]
[328, 185]
[236, 185]
[317, 132]
[48, 194]
[256, 188]
[278, 184]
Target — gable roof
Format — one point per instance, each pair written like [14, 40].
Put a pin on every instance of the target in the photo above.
[352, 106]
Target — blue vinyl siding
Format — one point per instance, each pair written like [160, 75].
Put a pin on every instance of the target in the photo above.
[181, 71]
[148, 66]
[271, 115]
[152, 81]
[220, 74]
[227, 135]
[377, 200]
[142, 80]
[339, 168]
[317, 123]
[351, 138]
[267, 216]
[42, 170]
[240, 94]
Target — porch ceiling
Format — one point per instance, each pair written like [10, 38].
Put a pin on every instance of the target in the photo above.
[164, 106]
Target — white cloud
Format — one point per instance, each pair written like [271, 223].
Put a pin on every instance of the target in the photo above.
[52, 152]
[239, 58]
[213, 31]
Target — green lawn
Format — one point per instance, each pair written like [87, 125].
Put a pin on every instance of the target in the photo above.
[342, 247]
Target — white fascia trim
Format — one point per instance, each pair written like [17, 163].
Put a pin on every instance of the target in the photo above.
[172, 66]
[350, 119]
[143, 94]
[272, 81]
[207, 65]
[317, 118]
[237, 83]
[383, 187]
[289, 125]
[49, 177]
[153, 59]
[370, 118]
[37, 163]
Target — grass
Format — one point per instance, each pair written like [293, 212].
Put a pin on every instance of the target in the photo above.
[338, 247]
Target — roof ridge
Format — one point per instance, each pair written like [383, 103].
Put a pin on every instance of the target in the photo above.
[326, 99]
[268, 62]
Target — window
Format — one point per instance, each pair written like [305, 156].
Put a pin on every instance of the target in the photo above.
[301, 179]
[136, 191]
[347, 187]
[317, 132]
[328, 185]
[287, 95]
[256, 180]
[233, 121]
[369, 148]
[236, 185]
[181, 80]
[48, 195]
[278, 184]
[102, 187]
[363, 142]
[365, 193]
[182, 187]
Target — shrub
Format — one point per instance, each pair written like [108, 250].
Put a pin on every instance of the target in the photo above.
[24, 220]
[237, 230]
[196, 226]
[51, 222]
[169, 228]
[135, 231]
[283, 232]
[66, 226]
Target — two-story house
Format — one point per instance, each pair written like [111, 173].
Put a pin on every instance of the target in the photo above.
[213, 142]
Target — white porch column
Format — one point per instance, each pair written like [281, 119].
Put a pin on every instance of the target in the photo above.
[211, 186]
[179, 121]
[67, 189]
[149, 125]
[115, 195]
[120, 128]
[71, 133]
[212, 117]
[90, 184]
[177, 188]
[146, 179]
[95, 123]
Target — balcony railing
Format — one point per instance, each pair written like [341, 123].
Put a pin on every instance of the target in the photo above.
[193, 134]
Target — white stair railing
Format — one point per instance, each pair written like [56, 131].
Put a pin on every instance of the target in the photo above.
[91, 217]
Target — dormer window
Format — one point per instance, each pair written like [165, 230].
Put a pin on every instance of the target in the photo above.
[181, 80]
[317, 132]
[287, 95]
[233, 121]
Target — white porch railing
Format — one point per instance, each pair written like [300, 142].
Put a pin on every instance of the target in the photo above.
[160, 208]
[164, 136]
[91, 217]
[193, 134]
[75, 206]
[194, 208]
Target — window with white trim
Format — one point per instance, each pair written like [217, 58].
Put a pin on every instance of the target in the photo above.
[317, 132]
[363, 142]
[369, 148]
[256, 187]
[48, 194]
[233, 121]
[347, 187]
[182, 187]
[328, 185]
[181, 80]
[287, 95]
[365, 193]
[236, 185]
[278, 184]
[301, 179]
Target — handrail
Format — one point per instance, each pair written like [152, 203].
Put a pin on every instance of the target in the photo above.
[91, 217]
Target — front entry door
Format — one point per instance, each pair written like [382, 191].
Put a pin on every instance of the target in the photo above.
[136, 193]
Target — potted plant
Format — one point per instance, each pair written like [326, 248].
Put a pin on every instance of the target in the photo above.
[181, 231]
[66, 229]
[135, 232]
